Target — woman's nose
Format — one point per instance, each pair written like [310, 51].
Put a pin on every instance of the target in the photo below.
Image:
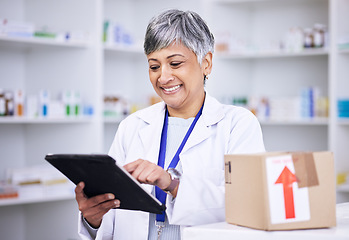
[165, 75]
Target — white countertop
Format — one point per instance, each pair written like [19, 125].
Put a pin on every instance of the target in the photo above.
[225, 231]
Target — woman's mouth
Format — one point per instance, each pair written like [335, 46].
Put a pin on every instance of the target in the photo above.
[171, 89]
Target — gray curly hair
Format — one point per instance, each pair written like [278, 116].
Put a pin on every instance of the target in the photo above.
[178, 26]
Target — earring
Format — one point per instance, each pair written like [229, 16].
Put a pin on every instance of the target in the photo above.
[206, 77]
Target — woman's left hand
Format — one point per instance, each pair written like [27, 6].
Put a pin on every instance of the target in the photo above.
[148, 172]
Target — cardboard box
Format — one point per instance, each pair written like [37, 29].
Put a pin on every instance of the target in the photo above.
[281, 190]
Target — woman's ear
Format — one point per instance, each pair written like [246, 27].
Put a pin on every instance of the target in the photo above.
[207, 64]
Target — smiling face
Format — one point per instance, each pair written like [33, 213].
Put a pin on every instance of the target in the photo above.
[178, 79]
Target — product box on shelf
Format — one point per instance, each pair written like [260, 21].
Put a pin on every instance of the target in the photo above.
[280, 190]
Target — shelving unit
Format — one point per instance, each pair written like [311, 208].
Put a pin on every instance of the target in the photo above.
[261, 72]
[339, 62]
[95, 68]
[32, 64]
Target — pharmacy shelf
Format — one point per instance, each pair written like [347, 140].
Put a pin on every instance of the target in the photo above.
[277, 54]
[345, 51]
[343, 121]
[113, 120]
[36, 199]
[299, 122]
[26, 42]
[37, 193]
[40, 120]
[343, 188]
[124, 49]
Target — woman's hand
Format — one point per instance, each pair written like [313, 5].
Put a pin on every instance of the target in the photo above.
[150, 173]
[94, 208]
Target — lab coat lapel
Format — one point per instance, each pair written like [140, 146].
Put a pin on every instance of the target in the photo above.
[150, 135]
[199, 134]
[211, 114]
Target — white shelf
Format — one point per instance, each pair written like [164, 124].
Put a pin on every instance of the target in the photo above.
[112, 120]
[38, 193]
[297, 122]
[40, 120]
[279, 54]
[23, 42]
[36, 199]
[343, 121]
[343, 188]
[344, 51]
[124, 49]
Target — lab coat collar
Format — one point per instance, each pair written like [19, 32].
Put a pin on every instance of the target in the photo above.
[212, 112]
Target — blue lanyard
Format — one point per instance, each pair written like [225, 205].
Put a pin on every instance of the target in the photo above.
[161, 195]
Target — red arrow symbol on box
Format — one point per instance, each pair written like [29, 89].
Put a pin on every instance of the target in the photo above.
[287, 178]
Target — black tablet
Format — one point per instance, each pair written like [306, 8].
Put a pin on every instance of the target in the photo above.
[102, 175]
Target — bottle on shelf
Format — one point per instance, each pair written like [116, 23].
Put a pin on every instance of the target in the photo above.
[308, 38]
[19, 103]
[2, 103]
[319, 35]
[44, 102]
[9, 104]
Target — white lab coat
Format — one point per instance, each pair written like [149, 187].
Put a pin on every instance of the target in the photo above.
[220, 130]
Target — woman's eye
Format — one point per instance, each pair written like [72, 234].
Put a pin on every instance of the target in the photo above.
[154, 67]
[175, 64]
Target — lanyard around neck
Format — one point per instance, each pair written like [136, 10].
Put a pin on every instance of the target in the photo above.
[161, 195]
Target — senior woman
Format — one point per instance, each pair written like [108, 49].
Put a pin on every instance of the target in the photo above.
[175, 146]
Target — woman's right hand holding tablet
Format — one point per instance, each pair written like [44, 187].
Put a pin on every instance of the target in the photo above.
[94, 208]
